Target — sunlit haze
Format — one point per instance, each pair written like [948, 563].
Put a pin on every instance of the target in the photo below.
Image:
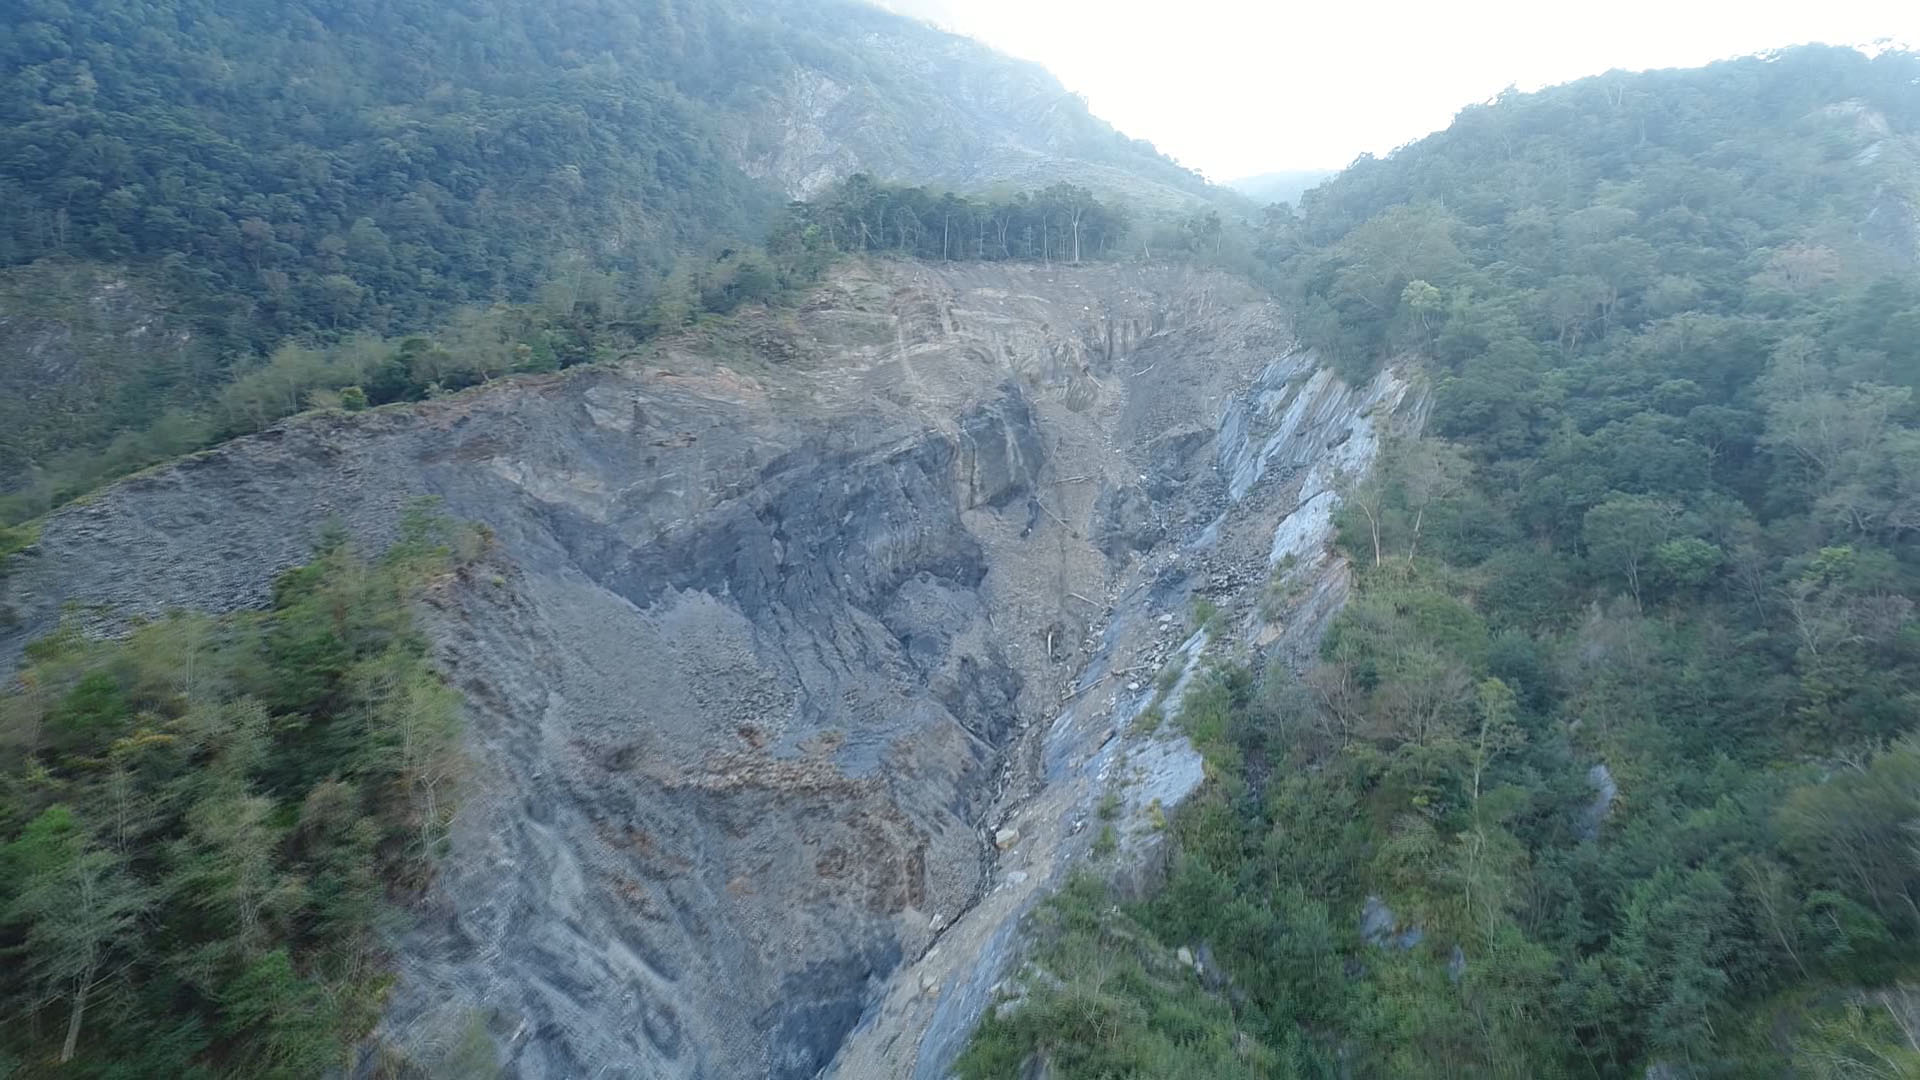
[1234, 88]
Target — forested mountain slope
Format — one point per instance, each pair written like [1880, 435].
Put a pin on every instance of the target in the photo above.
[762, 627]
[192, 183]
[795, 636]
[1281, 187]
[1609, 768]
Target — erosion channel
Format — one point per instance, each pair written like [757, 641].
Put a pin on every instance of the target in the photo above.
[807, 646]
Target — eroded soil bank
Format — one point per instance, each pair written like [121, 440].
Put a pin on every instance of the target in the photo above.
[798, 614]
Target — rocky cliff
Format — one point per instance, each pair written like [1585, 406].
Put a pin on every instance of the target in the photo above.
[815, 638]
[939, 109]
[1241, 517]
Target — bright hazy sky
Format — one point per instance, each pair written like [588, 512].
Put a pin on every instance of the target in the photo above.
[1238, 87]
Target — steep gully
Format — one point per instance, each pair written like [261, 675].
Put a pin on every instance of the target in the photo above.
[785, 626]
[1282, 447]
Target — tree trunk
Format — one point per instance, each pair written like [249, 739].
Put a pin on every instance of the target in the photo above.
[1373, 525]
[73, 1021]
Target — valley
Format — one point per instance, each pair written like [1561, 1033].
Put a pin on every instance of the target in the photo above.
[764, 540]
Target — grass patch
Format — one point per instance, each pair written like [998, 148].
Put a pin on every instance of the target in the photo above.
[15, 539]
[1282, 591]
[1208, 616]
[229, 813]
[1121, 1006]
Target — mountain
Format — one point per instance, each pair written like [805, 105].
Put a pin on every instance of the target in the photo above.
[1464, 624]
[196, 182]
[1599, 770]
[768, 626]
[1280, 187]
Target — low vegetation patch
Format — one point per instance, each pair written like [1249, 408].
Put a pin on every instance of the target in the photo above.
[207, 828]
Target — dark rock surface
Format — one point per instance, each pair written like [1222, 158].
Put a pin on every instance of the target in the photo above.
[1128, 521]
[748, 688]
[1000, 452]
[732, 710]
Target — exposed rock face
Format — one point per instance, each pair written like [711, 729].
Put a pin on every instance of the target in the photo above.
[1233, 505]
[786, 645]
[1892, 222]
[1380, 928]
[1605, 792]
[978, 120]
[1304, 431]
[66, 330]
[1000, 452]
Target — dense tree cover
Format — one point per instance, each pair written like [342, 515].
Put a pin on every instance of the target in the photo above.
[202, 825]
[274, 171]
[1580, 219]
[1620, 722]
[568, 325]
[1062, 223]
[579, 316]
[265, 171]
[1281, 187]
[301, 167]
[1723, 918]
[1104, 997]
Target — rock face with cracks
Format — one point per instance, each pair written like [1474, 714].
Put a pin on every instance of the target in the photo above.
[798, 616]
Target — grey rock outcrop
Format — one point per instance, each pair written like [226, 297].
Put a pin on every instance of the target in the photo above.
[1380, 928]
[1000, 452]
[754, 685]
[1605, 792]
[997, 121]
[66, 330]
[1247, 496]
[1127, 521]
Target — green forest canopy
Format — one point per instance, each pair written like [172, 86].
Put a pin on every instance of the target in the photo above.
[1665, 520]
[205, 828]
[584, 316]
[193, 184]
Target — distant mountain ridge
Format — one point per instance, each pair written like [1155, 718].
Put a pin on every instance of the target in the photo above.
[936, 108]
[1281, 187]
[222, 176]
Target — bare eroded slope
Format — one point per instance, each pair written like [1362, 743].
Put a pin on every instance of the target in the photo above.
[791, 616]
